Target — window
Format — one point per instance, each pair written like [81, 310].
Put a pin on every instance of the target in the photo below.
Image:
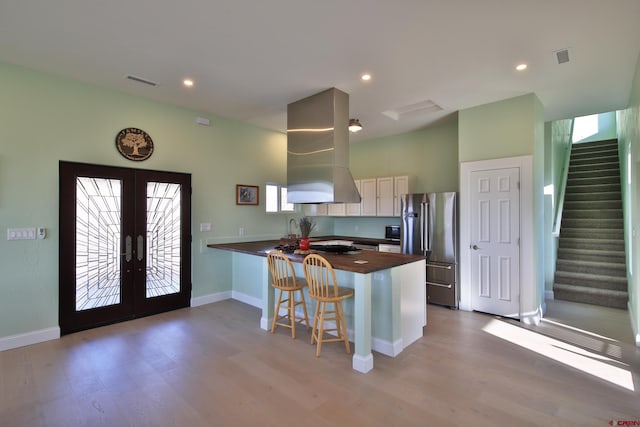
[276, 199]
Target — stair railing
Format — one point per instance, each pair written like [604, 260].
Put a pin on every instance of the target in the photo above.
[563, 184]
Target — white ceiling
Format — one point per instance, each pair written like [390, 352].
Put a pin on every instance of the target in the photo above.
[249, 59]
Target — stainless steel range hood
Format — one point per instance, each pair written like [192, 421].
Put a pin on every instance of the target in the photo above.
[318, 150]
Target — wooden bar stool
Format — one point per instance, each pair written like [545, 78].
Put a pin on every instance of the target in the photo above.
[286, 282]
[323, 287]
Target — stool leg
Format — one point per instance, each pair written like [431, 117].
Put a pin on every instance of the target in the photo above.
[321, 328]
[292, 313]
[315, 323]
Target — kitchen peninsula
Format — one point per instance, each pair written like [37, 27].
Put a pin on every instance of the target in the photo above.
[388, 310]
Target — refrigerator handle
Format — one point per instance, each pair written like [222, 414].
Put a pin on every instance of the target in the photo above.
[429, 221]
[423, 229]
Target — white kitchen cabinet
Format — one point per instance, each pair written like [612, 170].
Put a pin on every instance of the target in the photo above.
[401, 185]
[353, 209]
[386, 247]
[335, 209]
[369, 195]
[385, 197]
[314, 209]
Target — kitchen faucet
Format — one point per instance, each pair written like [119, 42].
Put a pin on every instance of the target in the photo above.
[292, 224]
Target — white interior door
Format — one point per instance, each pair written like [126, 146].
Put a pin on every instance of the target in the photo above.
[494, 241]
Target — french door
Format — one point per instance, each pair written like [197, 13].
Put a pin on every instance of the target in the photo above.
[125, 244]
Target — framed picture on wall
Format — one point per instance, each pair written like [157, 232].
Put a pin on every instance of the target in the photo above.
[247, 194]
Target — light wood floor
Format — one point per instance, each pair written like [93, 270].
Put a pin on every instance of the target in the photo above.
[212, 365]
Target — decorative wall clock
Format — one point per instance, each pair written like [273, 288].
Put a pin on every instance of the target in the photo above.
[134, 144]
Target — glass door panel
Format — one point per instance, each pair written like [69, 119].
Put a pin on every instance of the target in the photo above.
[163, 239]
[98, 233]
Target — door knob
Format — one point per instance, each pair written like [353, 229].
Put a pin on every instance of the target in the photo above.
[475, 247]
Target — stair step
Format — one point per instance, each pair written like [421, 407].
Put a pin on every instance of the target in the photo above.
[596, 281]
[592, 188]
[594, 145]
[602, 196]
[592, 213]
[596, 233]
[591, 254]
[590, 223]
[591, 267]
[611, 165]
[591, 244]
[570, 205]
[595, 152]
[594, 158]
[594, 173]
[607, 298]
[613, 179]
[591, 262]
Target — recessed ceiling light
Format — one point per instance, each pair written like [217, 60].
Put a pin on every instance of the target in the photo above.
[187, 82]
[365, 77]
[521, 67]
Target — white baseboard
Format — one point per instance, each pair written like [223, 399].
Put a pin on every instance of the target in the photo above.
[388, 348]
[634, 327]
[33, 337]
[362, 364]
[221, 296]
[247, 299]
[211, 298]
[533, 317]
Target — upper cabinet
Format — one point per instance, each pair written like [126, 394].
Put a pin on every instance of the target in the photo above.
[314, 209]
[336, 209]
[369, 195]
[385, 196]
[380, 197]
[353, 209]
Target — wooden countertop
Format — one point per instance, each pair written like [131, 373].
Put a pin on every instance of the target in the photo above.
[375, 261]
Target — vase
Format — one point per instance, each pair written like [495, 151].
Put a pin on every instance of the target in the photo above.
[304, 243]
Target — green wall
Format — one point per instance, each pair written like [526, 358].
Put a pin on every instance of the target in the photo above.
[497, 130]
[430, 156]
[45, 119]
[629, 150]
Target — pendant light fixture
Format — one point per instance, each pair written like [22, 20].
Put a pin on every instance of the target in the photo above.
[354, 125]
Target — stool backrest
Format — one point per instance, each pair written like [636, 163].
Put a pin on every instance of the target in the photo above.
[281, 269]
[321, 278]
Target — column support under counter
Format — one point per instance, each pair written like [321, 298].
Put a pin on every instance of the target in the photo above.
[362, 357]
[268, 298]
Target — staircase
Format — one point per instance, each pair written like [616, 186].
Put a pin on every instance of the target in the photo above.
[591, 265]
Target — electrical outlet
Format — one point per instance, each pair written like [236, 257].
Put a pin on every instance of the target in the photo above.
[241, 231]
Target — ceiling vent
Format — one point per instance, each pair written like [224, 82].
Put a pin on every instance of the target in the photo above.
[141, 80]
[423, 107]
[562, 56]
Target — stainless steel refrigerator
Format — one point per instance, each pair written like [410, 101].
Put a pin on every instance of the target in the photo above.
[428, 227]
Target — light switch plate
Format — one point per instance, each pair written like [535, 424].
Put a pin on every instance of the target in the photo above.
[21, 233]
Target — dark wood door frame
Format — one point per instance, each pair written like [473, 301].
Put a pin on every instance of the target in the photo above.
[133, 300]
